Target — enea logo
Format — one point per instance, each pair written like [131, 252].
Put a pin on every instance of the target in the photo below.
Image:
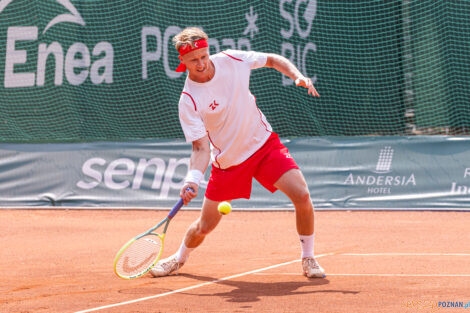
[381, 184]
[76, 64]
[74, 17]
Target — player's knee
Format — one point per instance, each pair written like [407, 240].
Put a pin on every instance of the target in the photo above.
[301, 196]
[205, 230]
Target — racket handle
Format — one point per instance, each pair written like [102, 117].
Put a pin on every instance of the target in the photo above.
[177, 206]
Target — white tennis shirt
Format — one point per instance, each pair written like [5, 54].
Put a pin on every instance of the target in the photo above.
[225, 110]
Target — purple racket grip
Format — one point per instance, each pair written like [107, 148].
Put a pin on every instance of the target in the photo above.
[177, 206]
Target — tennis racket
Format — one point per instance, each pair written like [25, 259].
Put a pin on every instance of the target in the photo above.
[142, 252]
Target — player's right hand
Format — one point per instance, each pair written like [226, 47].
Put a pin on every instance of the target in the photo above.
[188, 195]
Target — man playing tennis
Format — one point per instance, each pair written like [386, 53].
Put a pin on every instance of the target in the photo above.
[220, 117]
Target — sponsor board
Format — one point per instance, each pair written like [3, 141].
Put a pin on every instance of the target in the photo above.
[354, 173]
[125, 173]
[382, 180]
[80, 61]
[459, 188]
[76, 62]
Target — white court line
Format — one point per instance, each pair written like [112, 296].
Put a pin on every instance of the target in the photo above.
[405, 275]
[406, 253]
[378, 275]
[196, 286]
[391, 275]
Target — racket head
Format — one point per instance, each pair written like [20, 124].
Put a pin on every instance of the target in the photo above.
[138, 255]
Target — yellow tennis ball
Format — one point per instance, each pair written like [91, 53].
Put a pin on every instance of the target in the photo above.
[224, 207]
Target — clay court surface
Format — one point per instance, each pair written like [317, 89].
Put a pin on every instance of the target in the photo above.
[61, 261]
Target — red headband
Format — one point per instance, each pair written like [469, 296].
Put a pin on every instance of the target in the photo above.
[201, 43]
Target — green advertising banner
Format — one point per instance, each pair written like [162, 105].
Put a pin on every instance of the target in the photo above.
[396, 173]
[84, 71]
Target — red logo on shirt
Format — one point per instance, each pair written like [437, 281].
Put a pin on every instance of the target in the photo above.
[213, 105]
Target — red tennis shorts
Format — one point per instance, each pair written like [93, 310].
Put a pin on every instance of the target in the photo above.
[266, 165]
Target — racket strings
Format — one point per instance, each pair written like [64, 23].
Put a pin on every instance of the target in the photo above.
[139, 256]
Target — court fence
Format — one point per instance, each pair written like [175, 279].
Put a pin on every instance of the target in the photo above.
[88, 99]
[84, 71]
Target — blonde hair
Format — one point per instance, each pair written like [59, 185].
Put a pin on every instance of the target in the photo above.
[188, 36]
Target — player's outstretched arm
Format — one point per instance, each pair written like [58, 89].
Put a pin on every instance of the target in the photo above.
[199, 161]
[286, 67]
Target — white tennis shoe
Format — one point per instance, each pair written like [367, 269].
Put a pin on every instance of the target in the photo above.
[312, 269]
[166, 266]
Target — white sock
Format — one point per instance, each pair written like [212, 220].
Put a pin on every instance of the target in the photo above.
[306, 243]
[183, 253]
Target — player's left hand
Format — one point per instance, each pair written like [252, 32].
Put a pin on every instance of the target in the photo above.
[307, 83]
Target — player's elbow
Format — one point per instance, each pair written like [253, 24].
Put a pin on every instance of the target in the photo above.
[271, 60]
[201, 145]
[274, 60]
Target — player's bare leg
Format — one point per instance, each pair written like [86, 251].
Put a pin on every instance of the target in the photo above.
[293, 184]
[206, 223]
[195, 235]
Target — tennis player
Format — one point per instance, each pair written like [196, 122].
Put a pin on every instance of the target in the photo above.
[220, 117]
